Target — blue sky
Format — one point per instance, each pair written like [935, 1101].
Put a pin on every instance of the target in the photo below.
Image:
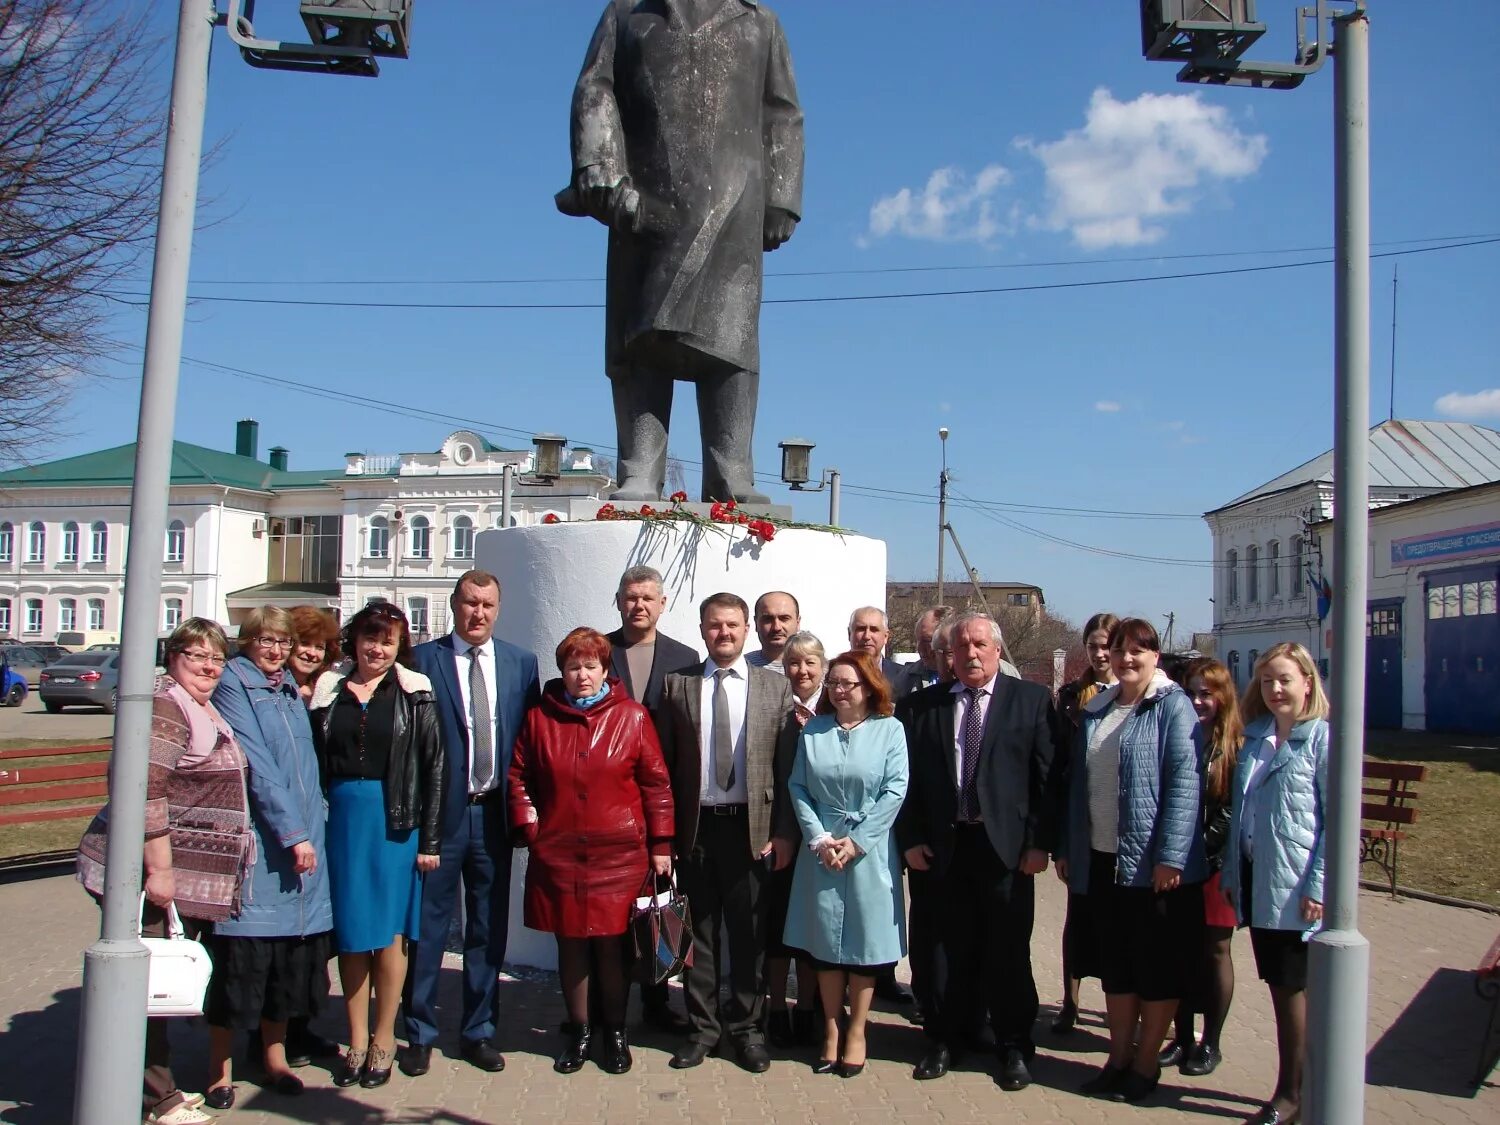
[974, 142]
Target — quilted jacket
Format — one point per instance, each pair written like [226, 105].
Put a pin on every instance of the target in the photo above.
[1288, 826]
[1161, 790]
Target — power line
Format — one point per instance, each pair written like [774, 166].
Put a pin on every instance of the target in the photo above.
[138, 298]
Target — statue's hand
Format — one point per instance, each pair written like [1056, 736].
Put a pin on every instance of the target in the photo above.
[779, 224]
[596, 191]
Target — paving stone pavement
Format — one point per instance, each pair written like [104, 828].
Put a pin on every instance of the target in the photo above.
[1424, 1029]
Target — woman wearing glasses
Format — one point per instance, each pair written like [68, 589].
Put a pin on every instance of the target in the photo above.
[847, 785]
[382, 759]
[198, 838]
[271, 959]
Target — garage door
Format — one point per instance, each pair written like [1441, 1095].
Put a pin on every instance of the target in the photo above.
[1463, 651]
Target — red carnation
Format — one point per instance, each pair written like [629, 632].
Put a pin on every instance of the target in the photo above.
[717, 512]
[679, 497]
[767, 531]
[607, 512]
[729, 506]
[739, 517]
[551, 517]
[647, 510]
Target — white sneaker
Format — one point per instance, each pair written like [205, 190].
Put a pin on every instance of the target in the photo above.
[181, 1114]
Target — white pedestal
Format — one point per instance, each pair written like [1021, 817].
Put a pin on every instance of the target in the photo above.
[556, 577]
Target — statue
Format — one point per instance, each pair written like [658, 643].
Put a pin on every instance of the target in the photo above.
[687, 144]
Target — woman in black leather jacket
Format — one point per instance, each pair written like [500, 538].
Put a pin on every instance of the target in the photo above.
[382, 761]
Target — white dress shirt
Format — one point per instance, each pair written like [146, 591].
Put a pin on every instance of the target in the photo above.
[737, 691]
[960, 710]
[486, 660]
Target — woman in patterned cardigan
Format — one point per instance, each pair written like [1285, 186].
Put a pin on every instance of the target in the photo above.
[198, 844]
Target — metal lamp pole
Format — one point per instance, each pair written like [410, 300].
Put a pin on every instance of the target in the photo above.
[942, 510]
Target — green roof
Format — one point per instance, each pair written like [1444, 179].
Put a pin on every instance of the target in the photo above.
[191, 464]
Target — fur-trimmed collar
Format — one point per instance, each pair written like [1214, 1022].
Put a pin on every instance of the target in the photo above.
[329, 683]
[1161, 684]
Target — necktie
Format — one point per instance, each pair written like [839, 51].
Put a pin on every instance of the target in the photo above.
[483, 767]
[968, 789]
[723, 738]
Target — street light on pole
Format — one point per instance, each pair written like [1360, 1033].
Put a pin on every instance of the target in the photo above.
[1339, 955]
[112, 1025]
[942, 510]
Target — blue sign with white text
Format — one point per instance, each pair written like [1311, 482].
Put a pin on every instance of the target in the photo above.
[1460, 543]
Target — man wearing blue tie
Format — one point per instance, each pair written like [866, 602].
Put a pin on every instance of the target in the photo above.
[483, 687]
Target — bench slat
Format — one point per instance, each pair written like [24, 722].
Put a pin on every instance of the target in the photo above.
[1395, 771]
[36, 775]
[1389, 814]
[31, 816]
[27, 795]
[50, 751]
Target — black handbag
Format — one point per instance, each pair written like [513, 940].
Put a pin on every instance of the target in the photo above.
[662, 929]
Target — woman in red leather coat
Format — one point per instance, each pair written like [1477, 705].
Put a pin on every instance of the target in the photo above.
[590, 796]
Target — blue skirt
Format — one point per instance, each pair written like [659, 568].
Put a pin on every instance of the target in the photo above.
[372, 872]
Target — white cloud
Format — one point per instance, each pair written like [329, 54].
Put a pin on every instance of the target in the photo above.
[1107, 407]
[1480, 404]
[1134, 164]
[952, 207]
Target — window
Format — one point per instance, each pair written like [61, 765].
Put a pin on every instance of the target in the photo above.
[67, 615]
[36, 544]
[463, 538]
[70, 542]
[99, 542]
[1252, 574]
[96, 615]
[33, 615]
[1234, 667]
[380, 538]
[1252, 658]
[1383, 621]
[421, 538]
[4, 617]
[1273, 567]
[1018, 599]
[1232, 568]
[1461, 599]
[7, 543]
[176, 541]
[171, 613]
[1296, 580]
[416, 615]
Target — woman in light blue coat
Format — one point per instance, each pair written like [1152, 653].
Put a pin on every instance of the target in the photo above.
[271, 958]
[847, 910]
[1273, 863]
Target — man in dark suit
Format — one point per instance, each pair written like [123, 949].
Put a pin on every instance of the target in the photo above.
[870, 631]
[980, 814]
[482, 688]
[728, 737]
[642, 658]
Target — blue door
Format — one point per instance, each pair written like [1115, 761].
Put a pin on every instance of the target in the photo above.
[1383, 665]
[1463, 651]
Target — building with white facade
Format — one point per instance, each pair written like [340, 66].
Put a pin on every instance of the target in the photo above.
[1268, 558]
[243, 532]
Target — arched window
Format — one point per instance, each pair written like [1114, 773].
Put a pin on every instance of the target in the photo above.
[421, 538]
[36, 543]
[416, 617]
[7, 543]
[1233, 663]
[70, 542]
[463, 538]
[1296, 579]
[1232, 574]
[67, 615]
[176, 541]
[171, 613]
[4, 617]
[96, 615]
[1254, 655]
[379, 545]
[33, 615]
[99, 542]
[1252, 574]
[1273, 567]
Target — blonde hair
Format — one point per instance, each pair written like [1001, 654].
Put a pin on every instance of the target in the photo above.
[1315, 706]
[265, 619]
[804, 644]
[196, 629]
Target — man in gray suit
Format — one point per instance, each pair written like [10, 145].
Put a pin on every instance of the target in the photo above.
[728, 737]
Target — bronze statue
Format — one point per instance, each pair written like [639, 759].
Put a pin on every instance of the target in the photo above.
[687, 144]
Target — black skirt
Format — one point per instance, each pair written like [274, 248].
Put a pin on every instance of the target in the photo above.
[274, 979]
[1149, 945]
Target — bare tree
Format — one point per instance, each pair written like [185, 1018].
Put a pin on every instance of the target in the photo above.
[81, 124]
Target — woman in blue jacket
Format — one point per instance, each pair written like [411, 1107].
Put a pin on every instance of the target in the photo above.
[1133, 844]
[1273, 864]
[271, 959]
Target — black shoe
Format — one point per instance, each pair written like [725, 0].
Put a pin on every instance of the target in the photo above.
[287, 1085]
[826, 1066]
[377, 1068]
[1173, 1053]
[303, 1045]
[804, 1026]
[1203, 1059]
[350, 1068]
[850, 1070]
[614, 1057]
[779, 1028]
[753, 1057]
[220, 1097]
[1135, 1087]
[1013, 1073]
[1268, 1114]
[577, 1038]
[690, 1054]
[934, 1064]
[660, 1017]
[483, 1054]
[1105, 1083]
[415, 1060]
[1066, 1020]
[892, 991]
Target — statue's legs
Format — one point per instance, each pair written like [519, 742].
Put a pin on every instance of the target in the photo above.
[643, 409]
[726, 419]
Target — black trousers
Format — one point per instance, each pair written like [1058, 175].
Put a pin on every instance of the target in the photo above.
[723, 883]
[986, 911]
[922, 936]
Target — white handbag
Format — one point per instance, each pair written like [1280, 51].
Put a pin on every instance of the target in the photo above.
[179, 972]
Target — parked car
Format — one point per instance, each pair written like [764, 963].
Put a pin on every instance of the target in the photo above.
[83, 678]
[28, 660]
[51, 652]
[82, 640]
[12, 685]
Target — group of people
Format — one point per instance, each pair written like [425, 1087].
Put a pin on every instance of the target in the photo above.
[324, 792]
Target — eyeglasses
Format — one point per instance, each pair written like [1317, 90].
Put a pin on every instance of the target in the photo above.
[843, 685]
[274, 642]
[203, 659]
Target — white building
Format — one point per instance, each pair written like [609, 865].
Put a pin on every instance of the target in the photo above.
[244, 532]
[1268, 557]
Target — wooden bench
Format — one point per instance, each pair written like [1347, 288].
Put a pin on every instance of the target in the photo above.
[30, 794]
[1389, 807]
[1487, 984]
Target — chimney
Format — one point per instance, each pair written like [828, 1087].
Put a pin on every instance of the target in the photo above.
[246, 437]
[278, 457]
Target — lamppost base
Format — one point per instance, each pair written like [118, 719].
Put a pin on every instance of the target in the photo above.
[1339, 967]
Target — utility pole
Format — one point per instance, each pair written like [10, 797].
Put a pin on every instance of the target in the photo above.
[942, 509]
